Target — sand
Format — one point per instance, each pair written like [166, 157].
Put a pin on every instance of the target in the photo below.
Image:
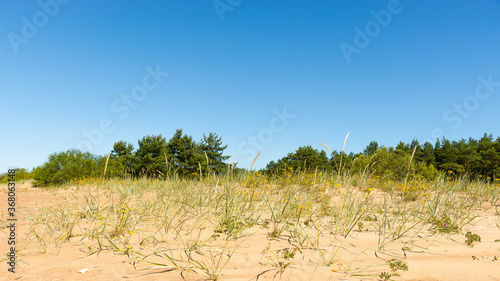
[431, 257]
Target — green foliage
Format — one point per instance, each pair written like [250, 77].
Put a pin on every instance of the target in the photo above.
[213, 149]
[384, 163]
[21, 174]
[184, 157]
[150, 159]
[154, 157]
[4, 178]
[426, 171]
[469, 157]
[122, 159]
[396, 265]
[444, 224]
[347, 160]
[471, 238]
[426, 154]
[66, 166]
[371, 148]
[184, 154]
[454, 158]
[305, 157]
[385, 276]
[489, 163]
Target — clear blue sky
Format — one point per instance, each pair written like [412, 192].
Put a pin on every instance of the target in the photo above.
[381, 70]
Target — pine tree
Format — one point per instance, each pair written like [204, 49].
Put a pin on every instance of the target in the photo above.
[496, 173]
[122, 159]
[211, 145]
[490, 159]
[371, 148]
[468, 155]
[184, 154]
[150, 156]
[403, 148]
[305, 158]
[427, 154]
[447, 156]
[418, 150]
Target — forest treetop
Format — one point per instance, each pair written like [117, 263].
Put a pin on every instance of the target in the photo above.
[182, 156]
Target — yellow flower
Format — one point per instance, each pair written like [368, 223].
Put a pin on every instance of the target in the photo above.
[131, 232]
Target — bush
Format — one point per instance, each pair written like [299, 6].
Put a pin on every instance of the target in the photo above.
[21, 174]
[66, 166]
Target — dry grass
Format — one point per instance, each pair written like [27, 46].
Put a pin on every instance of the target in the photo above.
[275, 224]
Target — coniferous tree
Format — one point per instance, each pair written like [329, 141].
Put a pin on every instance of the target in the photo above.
[415, 145]
[184, 154]
[496, 173]
[122, 159]
[447, 156]
[340, 161]
[304, 158]
[403, 148]
[150, 159]
[212, 146]
[371, 148]
[490, 159]
[426, 154]
[468, 155]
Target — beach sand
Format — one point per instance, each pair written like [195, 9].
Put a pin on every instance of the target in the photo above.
[256, 256]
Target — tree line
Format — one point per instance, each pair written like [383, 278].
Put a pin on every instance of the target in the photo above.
[155, 157]
[466, 157]
[182, 156]
[21, 175]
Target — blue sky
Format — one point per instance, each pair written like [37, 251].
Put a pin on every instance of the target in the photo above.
[263, 75]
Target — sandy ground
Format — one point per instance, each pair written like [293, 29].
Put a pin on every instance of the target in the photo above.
[441, 257]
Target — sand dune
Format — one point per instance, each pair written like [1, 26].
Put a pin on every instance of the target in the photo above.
[430, 256]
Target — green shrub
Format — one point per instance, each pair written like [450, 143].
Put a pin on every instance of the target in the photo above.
[21, 174]
[67, 166]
